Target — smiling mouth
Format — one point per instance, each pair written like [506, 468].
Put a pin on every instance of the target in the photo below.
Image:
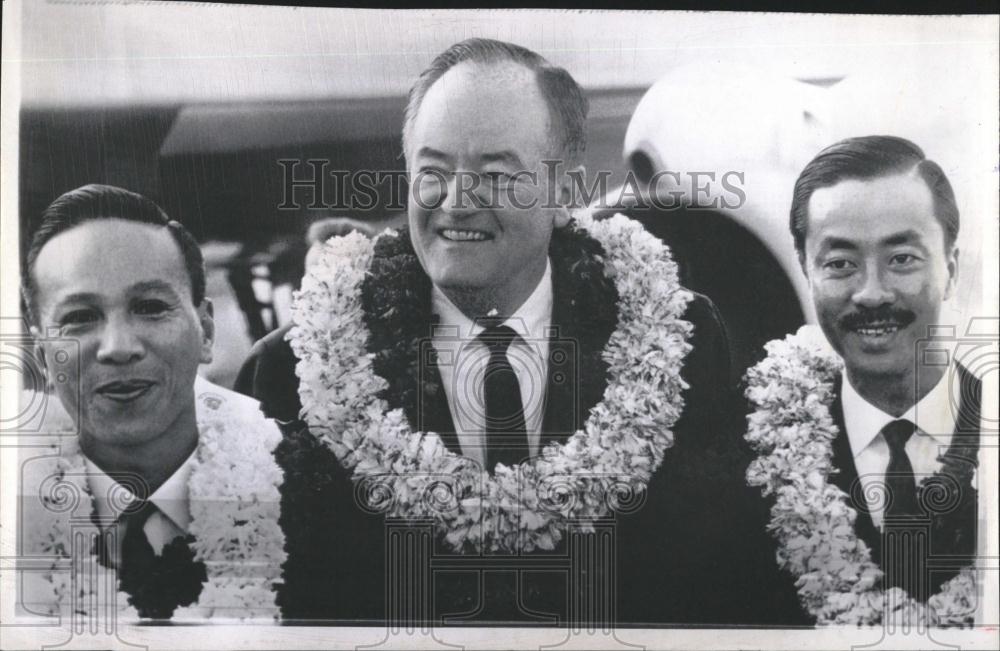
[463, 235]
[878, 332]
[125, 390]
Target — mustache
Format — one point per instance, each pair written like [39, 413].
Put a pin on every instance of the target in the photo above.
[863, 317]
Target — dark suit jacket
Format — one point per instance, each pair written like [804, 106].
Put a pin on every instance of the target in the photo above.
[952, 537]
[952, 540]
[696, 552]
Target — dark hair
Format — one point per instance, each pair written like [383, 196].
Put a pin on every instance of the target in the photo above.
[567, 104]
[95, 202]
[865, 158]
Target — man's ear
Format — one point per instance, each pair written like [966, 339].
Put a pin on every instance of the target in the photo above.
[952, 264]
[39, 351]
[206, 317]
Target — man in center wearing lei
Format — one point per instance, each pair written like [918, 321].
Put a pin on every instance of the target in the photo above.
[550, 357]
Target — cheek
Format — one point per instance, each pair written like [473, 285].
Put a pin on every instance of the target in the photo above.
[65, 359]
[924, 288]
[425, 195]
[177, 348]
[831, 299]
[418, 221]
[829, 294]
[528, 231]
[522, 196]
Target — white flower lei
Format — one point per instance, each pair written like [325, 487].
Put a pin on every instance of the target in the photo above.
[598, 468]
[234, 502]
[812, 519]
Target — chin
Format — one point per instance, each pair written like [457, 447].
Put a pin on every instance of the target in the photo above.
[459, 281]
[888, 365]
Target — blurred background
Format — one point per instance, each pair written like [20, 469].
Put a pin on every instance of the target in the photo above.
[195, 106]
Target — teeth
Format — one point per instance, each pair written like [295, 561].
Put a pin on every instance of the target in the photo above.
[876, 332]
[464, 236]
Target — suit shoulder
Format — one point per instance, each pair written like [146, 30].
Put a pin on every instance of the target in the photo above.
[269, 376]
[271, 344]
[701, 309]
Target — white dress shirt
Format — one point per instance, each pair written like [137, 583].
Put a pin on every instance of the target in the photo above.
[462, 361]
[934, 417]
[172, 517]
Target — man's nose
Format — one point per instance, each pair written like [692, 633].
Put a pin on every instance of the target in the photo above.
[120, 343]
[464, 190]
[873, 290]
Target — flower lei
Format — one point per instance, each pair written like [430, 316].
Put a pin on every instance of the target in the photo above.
[413, 474]
[234, 543]
[793, 430]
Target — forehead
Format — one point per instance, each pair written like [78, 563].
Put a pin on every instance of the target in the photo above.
[105, 257]
[868, 211]
[475, 108]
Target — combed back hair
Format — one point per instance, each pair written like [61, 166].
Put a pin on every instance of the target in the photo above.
[865, 158]
[96, 202]
[567, 104]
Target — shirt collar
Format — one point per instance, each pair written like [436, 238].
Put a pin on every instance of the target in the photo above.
[531, 320]
[933, 415]
[171, 498]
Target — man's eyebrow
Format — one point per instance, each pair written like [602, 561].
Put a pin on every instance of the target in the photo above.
[78, 297]
[905, 237]
[832, 243]
[430, 152]
[152, 286]
[506, 156]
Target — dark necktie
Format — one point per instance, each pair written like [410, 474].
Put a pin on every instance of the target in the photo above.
[899, 479]
[506, 436]
[156, 584]
[904, 547]
[136, 550]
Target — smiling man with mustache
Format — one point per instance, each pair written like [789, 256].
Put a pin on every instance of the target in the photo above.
[875, 225]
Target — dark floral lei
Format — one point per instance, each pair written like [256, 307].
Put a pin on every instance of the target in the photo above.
[396, 298]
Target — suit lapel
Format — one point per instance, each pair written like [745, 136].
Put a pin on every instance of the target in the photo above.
[562, 398]
[967, 422]
[847, 479]
[960, 526]
[434, 413]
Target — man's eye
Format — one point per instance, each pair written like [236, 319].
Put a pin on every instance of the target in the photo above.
[838, 265]
[150, 307]
[498, 177]
[903, 258]
[78, 318]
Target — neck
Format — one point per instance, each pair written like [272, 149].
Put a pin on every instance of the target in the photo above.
[896, 394]
[154, 461]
